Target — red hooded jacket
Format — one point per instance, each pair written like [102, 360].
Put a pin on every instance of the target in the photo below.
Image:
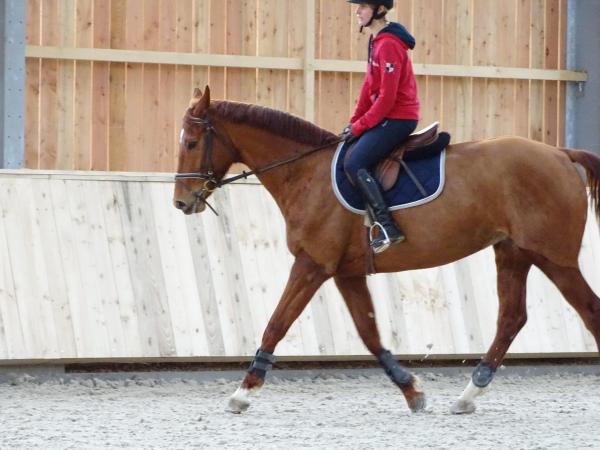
[389, 89]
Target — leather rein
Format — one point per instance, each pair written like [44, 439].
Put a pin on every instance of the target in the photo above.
[211, 183]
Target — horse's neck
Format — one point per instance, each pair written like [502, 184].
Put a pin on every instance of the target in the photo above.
[287, 181]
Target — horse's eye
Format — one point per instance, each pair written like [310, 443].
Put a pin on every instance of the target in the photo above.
[191, 145]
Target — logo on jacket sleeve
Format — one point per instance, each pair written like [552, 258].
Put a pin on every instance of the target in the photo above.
[389, 67]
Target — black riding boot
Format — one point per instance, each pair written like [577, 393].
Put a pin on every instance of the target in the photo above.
[380, 216]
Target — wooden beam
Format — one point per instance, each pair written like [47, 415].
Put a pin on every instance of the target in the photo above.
[308, 64]
[515, 73]
[156, 57]
[447, 70]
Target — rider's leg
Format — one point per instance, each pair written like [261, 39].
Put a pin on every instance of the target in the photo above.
[373, 146]
[389, 232]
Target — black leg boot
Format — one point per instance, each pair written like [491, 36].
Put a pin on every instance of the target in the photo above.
[388, 231]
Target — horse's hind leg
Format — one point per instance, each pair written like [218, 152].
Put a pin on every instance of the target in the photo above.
[512, 266]
[304, 280]
[576, 291]
[356, 294]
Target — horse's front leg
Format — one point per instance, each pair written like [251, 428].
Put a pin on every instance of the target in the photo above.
[304, 280]
[356, 294]
[512, 266]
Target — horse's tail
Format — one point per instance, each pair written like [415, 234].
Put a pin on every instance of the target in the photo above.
[591, 163]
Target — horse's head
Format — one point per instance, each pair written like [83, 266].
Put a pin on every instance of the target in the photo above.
[205, 155]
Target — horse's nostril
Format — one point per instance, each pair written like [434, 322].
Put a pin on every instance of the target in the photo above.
[179, 204]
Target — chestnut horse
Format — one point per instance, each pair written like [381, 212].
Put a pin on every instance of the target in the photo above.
[523, 197]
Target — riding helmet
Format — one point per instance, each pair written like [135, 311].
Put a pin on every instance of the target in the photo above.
[389, 4]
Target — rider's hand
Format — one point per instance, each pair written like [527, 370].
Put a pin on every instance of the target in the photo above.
[347, 135]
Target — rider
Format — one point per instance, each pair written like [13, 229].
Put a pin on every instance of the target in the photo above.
[387, 111]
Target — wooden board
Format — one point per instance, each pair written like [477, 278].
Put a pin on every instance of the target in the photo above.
[134, 89]
[48, 90]
[168, 137]
[217, 44]
[124, 114]
[296, 49]
[201, 44]
[551, 61]
[128, 276]
[522, 55]
[65, 155]
[335, 109]
[536, 88]
[456, 92]
[242, 36]
[100, 90]
[82, 122]
[271, 85]
[32, 86]
[183, 89]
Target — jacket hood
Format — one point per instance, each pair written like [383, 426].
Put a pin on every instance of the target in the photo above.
[400, 32]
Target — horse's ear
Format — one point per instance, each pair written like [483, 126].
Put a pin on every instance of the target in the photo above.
[203, 103]
[197, 93]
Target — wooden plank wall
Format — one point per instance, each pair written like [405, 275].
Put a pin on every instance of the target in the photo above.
[124, 116]
[102, 266]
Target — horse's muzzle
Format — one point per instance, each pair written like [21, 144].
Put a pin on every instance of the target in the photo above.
[190, 207]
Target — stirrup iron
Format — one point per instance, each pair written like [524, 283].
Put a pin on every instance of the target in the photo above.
[381, 244]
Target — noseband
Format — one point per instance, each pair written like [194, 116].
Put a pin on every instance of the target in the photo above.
[211, 183]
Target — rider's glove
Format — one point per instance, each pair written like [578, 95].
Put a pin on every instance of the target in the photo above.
[347, 135]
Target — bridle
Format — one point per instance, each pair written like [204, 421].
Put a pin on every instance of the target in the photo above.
[211, 183]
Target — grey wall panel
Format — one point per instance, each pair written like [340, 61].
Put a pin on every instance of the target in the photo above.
[583, 53]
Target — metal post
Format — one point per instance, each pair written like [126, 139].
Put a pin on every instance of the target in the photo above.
[583, 99]
[12, 82]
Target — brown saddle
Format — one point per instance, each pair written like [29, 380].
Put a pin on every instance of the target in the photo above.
[387, 170]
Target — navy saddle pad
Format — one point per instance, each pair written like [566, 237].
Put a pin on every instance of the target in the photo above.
[404, 194]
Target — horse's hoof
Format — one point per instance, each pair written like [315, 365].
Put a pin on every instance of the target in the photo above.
[463, 407]
[418, 403]
[237, 406]
[239, 401]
